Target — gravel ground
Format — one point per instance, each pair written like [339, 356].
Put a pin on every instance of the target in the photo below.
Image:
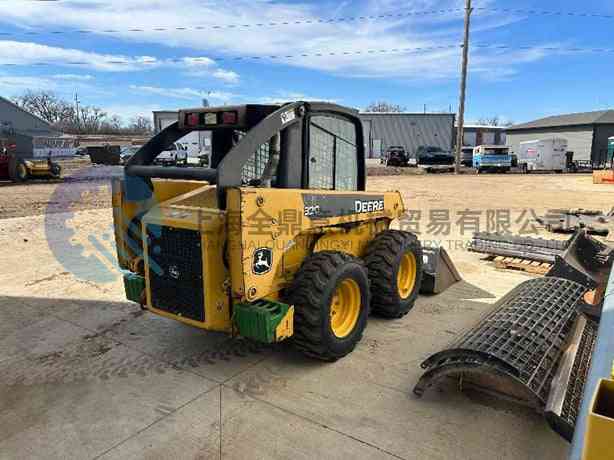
[85, 374]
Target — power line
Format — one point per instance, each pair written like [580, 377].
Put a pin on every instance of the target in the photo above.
[298, 22]
[188, 59]
[323, 53]
[570, 49]
[274, 23]
[545, 12]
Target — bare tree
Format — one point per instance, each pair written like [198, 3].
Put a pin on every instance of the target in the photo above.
[46, 105]
[494, 121]
[88, 120]
[383, 106]
[141, 125]
[115, 123]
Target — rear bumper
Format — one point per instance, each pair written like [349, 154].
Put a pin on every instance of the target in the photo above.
[436, 167]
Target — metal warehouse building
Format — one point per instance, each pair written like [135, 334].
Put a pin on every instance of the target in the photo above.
[14, 117]
[474, 135]
[586, 133]
[409, 130]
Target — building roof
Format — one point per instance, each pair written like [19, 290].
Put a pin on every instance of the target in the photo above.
[476, 126]
[572, 119]
[368, 114]
[11, 103]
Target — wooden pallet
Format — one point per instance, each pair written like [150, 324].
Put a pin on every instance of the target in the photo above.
[529, 266]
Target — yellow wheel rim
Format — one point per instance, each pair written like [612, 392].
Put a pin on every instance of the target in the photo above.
[406, 276]
[345, 308]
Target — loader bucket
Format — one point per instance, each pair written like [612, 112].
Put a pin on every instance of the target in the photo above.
[584, 261]
[438, 271]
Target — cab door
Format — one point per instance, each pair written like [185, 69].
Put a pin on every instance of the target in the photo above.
[335, 154]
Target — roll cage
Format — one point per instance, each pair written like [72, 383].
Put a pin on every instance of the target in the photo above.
[260, 123]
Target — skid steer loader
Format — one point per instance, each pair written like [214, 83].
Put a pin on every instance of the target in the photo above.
[276, 240]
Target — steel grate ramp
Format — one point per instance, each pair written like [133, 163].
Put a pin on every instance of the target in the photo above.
[515, 349]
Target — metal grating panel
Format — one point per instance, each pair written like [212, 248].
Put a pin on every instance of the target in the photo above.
[176, 271]
[521, 339]
[322, 151]
[255, 165]
[579, 372]
[538, 249]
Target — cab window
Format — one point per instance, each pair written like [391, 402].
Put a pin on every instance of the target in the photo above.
[333, 162]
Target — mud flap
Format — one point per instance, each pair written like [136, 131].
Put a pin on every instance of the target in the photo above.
[438, 271]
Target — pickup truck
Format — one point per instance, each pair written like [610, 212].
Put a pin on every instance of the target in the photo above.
[431, 158]
[494, 158]
[176, 154]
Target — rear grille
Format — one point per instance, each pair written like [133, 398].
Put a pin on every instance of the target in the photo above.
[176, 271]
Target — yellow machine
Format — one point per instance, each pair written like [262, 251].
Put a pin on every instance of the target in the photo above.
[17, 161]
[278, 239]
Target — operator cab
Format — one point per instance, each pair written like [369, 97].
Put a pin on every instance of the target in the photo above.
[296, 146]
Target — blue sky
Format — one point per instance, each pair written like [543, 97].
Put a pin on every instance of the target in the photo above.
[170, 68]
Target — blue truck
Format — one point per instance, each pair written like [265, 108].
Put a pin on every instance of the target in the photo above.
[492, 158]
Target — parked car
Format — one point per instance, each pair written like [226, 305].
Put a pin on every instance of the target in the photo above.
[432, 158]
[395, 156]
[175, 154]
[467, 156]
[126, 152]
[494, 158]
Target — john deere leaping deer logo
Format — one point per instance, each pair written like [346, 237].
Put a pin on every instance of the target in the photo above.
[263, 259]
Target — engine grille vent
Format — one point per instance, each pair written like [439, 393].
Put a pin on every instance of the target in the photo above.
[176, 271]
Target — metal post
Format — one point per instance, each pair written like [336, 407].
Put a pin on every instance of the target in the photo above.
[463, 87]
[77, 112]
[601, 367]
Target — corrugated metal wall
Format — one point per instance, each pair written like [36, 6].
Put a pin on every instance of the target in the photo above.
[23, 122]
[407, 130]
[579, 140]
[600, 144]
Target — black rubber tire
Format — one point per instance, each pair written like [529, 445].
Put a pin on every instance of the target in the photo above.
[311, 294]
[56, 170]
[383, 260]
[21, 171]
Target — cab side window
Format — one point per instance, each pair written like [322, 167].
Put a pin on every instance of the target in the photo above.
[333, 162]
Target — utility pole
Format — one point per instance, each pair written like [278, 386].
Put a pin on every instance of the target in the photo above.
[463, 87]
[77, 110]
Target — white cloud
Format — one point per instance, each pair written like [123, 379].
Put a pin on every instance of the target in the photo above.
[189, 94]
[226, 75]
[29, 53]
[14, 85]
[216, 28]
[129, 111]
[289, 96]
[72, 76]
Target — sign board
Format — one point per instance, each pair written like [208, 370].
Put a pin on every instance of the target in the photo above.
[44, 147]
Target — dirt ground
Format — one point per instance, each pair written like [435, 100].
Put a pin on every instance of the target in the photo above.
[85, 374]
